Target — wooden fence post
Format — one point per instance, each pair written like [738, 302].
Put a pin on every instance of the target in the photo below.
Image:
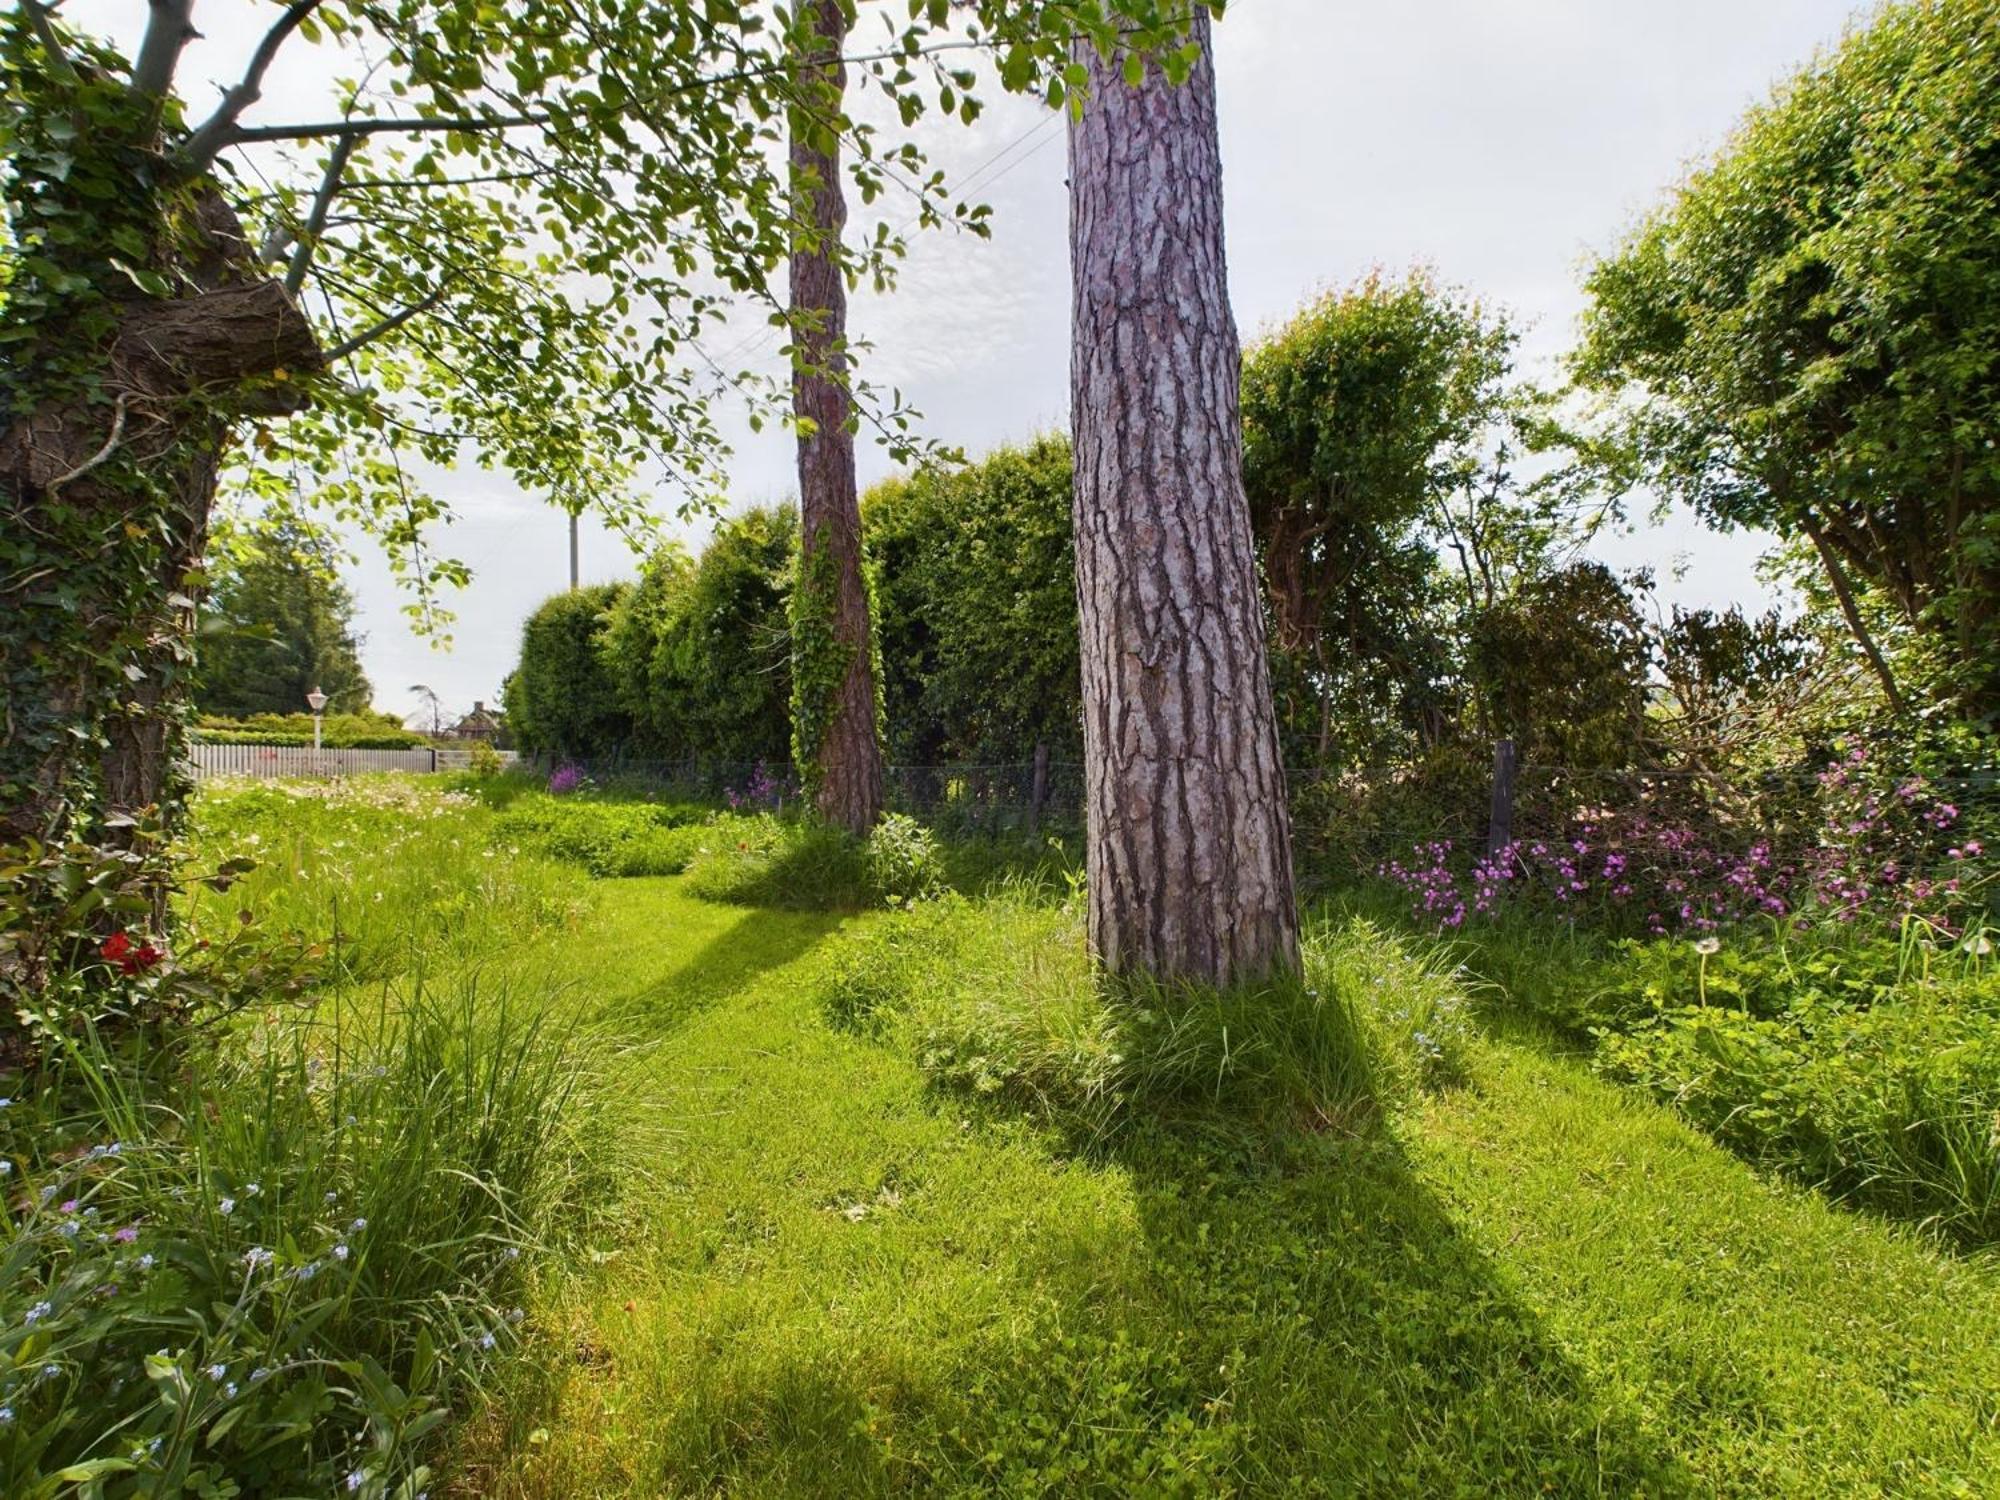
[1500, 823]
[1038, 791]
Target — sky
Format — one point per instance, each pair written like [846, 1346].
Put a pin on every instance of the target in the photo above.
[1502, 143]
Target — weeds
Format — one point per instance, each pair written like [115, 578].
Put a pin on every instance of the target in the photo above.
[277, 1265]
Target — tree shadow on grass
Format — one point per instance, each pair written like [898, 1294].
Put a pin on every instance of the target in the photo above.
[1355, 1320]
[752, 945]
[1297, 1317]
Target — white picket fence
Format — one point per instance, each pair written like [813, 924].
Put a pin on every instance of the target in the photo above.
[459, 757]
[275, 761]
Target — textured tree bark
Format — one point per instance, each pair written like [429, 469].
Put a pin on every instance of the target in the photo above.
[848, 752]
[175, 374]
[1190, 857]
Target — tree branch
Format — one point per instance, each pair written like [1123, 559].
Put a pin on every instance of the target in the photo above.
[45, 32]
[232, 134]
[375, 125]
[169, 29]
[200, 148]
[329, 185]
[1851, 611]
[389, 324]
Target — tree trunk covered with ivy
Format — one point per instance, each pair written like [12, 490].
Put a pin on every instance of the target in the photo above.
[1189, 835]
[135, 338]
[835, 705]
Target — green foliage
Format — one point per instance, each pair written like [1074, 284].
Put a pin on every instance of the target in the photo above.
[821, 661]
[356, 731]
[1867, 1068]
[1854, 1057]
[485, 759]
[562, 700]
[608, 839]
[279, 623]
[701, 654]
[1812, 325]
[278, 1265]
[1563, 666]
[976, 608]
[902, 861]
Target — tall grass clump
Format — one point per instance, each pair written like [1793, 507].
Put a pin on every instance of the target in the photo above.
[804, 864]
[609, 839]
[380, 872]
[276, 1265]
[998, 999]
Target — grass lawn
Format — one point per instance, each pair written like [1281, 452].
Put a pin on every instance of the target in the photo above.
[836, 1279]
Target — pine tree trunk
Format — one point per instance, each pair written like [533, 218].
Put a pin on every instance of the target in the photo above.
[834, 674]
[1190, 859]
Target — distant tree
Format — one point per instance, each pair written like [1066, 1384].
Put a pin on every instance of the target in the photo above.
[1564, 664]
[279, 622]
[1807, 336]
[433, 706]
[976, 607]
[561, 699]
[1190, 861]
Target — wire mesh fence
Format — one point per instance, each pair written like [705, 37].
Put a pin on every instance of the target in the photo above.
[1684, 843]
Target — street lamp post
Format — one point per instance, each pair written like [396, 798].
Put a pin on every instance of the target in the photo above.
[316, 701]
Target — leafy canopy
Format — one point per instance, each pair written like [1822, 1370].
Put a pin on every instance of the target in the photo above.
[1806, 337]
[512, 228]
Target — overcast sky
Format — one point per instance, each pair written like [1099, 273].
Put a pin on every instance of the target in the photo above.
[1500, 142]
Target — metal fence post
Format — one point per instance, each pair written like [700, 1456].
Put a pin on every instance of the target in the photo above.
[1038, 788]
[1500, 823]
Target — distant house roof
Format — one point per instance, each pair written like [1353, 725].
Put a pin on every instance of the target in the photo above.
[478, 725]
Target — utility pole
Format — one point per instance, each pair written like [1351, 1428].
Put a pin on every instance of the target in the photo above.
[572, 553]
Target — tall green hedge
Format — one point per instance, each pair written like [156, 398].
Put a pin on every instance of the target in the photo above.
[976, 596]
[709, 674]
[562, 699]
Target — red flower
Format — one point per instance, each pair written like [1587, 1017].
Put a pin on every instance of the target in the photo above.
[117, 949]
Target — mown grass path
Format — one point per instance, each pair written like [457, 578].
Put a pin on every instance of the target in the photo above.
[838, 1282]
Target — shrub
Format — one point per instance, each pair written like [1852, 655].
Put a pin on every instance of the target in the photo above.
[902, 861]
[274, 1266]
[358, 731]
[998, 1000]
[1868, 1068]
[485, 759]
[768, 861]
[562, 698]
[806, 865]
[1854, 844]
[82, 945]
[606, 838]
